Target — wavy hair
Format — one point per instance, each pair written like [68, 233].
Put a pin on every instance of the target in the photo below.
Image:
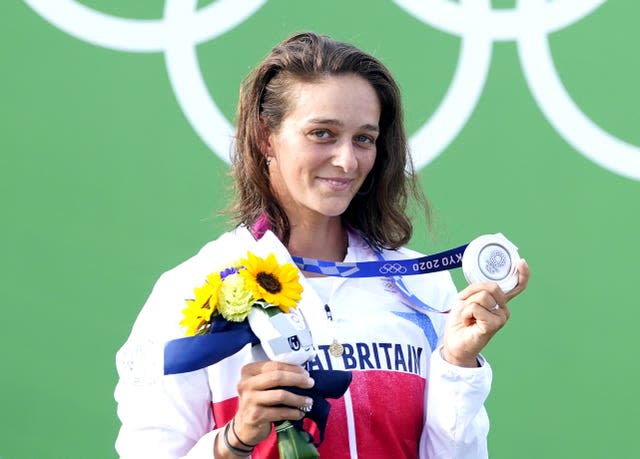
[379, 210]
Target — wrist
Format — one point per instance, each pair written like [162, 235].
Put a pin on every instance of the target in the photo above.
[229, 445]
[459, 361]
[242, 444]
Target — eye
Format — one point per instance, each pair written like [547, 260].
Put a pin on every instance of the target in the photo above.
[365, 139]
[321, 134]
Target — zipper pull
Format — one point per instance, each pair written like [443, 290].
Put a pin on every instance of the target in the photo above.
[327, 310]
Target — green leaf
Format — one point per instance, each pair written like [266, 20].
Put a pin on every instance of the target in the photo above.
[294, 443]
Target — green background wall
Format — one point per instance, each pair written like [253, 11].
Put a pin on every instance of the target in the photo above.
[105, 184]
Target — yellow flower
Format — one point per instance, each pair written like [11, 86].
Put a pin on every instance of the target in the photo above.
[198, 312]
[235, 299]
[194, 318]
[277, 285]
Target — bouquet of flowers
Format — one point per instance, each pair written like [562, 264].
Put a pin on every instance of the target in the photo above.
[234, 291]
[255, 301]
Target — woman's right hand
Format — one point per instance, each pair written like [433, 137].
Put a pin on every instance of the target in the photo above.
[261, 402]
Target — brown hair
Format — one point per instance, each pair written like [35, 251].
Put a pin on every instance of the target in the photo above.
[379, 210]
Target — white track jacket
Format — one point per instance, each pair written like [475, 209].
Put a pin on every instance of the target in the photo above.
[404, 401]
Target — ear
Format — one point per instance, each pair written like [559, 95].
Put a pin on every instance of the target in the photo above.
[266, 139]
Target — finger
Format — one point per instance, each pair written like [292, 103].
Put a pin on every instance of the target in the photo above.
[488, 322]
[253, 422]
[269, 405]
[259, 408]
[270, 414]
[281, 398]
[277, 378]
[523, 279]
[256, 368]
[494, 303]
[491, 287]
[278, 374]
[486, 300]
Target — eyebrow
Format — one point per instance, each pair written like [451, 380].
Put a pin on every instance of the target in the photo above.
[334, 122]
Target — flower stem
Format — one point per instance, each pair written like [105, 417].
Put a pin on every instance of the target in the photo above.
[294, 443]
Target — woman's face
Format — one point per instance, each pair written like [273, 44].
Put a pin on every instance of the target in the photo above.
[324, 147]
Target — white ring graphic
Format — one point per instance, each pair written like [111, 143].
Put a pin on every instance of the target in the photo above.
[186, 79]
[143, 35]
[461, 97]
[392, 268]
[565, 116]
[177, 34]
[500, 25]
[529, 25]
[474, 21]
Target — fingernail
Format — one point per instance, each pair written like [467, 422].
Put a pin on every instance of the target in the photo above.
[308, 402]
[310, 381]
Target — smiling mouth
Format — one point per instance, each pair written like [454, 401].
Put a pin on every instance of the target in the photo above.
[336, 184]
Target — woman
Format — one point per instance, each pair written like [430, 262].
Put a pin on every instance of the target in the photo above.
[321, 160]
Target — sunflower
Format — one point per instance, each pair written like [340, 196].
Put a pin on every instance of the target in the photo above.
[199, 310]
[276, 284]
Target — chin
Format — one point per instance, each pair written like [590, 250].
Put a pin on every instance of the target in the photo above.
[332, 211]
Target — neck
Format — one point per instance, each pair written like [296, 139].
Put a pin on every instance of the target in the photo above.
[326, 240]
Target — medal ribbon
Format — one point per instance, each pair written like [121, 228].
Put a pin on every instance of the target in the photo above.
[393, 269]
[449, 259]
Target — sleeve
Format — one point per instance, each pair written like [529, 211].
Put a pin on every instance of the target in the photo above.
[162, 416]
[457, 424]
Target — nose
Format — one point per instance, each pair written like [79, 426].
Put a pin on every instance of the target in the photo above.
[345, 157]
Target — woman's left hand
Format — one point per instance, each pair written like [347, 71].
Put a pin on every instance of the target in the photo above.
[480, 312]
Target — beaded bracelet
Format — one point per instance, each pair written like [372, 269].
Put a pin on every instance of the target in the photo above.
[237, 451]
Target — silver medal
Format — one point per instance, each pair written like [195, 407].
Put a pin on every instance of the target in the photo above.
[491, 258]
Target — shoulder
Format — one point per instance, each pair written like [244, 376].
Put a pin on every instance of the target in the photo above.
[161, 312]
[211, 256]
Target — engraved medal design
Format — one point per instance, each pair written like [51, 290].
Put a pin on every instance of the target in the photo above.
[491, 258]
